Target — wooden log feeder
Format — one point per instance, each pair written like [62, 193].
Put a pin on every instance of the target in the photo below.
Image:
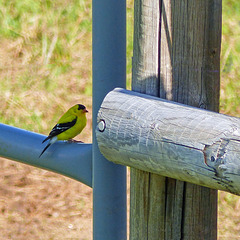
[170, 139]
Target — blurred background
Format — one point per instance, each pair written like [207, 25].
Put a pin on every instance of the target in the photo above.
[45, 68]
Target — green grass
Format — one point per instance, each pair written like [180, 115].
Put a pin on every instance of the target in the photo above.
[45, 67]
[47, 55]
[230, 60]
[45, 64]
[228, 208]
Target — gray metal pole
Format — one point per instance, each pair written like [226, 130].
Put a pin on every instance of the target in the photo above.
[109, 71]
[70, 159]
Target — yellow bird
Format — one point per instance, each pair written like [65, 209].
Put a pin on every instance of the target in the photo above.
[69, 125]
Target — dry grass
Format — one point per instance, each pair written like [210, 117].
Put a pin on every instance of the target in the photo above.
[45, 67]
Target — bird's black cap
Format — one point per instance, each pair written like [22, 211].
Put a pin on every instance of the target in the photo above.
[81, 107]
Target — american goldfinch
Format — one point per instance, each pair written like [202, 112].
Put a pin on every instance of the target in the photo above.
[69, 125]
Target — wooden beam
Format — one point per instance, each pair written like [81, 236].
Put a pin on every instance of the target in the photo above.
[190, 48]
[147, 190]
[176, 55]
[170, 139]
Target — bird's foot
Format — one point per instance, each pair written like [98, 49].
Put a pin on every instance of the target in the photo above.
[72, 141]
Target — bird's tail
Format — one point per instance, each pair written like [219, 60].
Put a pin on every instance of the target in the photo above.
[46, 139]
[44, 149]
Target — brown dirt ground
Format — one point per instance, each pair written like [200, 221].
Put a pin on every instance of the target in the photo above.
[37, 204]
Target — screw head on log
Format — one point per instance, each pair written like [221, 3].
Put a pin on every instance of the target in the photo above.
[101, 125]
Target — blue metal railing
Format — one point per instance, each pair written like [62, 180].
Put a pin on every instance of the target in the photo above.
[69, 159]
[109, 71]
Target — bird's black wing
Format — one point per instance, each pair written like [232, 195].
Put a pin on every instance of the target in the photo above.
[59, 128]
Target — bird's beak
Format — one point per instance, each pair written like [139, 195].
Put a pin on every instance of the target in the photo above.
[85, 110]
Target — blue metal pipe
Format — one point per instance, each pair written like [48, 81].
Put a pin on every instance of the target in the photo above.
[109, 71]
[70, 159]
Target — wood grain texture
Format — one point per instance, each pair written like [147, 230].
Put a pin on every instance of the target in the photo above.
[145, 64]
[190, 52]
[185, 48]
[190, 73]
[176, 56]
[146, 216]
[171, 139]
[145, 79]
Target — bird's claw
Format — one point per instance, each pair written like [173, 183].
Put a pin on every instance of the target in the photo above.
[72, 141]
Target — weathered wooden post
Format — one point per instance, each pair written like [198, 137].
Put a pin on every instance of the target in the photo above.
[176, 56]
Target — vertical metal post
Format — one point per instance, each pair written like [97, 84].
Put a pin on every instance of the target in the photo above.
[109, 71]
